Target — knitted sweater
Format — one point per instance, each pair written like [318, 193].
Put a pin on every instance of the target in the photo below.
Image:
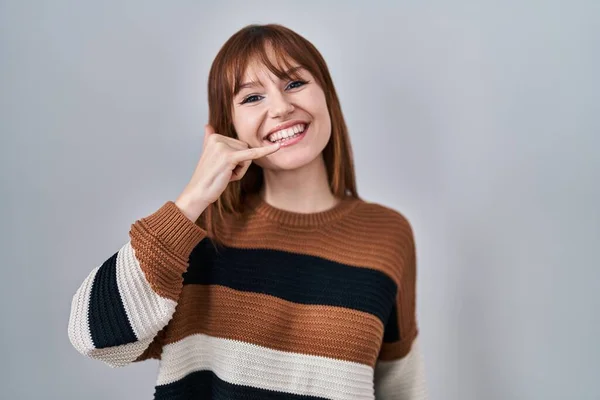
[294, 306]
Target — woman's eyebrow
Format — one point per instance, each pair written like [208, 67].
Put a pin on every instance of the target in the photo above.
[249, 84]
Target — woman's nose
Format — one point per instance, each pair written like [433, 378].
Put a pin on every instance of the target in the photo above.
[280, 105]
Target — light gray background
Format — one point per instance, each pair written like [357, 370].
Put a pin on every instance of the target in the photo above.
[478, 120]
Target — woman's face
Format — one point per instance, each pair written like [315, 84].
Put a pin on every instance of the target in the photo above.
[266, 104]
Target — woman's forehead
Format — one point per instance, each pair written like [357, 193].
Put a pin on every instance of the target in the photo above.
[254, 70]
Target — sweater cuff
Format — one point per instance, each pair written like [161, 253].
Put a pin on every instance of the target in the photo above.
[172, 228]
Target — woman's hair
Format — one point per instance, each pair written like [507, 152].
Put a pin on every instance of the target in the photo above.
[252, 43]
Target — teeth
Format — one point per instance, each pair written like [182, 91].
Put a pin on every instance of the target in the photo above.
[287, 133]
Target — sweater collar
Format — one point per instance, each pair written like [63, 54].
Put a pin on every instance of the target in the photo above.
[297, 219]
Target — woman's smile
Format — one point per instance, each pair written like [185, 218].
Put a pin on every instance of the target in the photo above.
[290, 136]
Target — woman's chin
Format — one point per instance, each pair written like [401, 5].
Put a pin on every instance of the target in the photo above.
[290, 162]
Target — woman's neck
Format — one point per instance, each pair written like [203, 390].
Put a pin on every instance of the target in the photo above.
[303, 190]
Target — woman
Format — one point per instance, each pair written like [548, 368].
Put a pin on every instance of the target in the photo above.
[268, 276]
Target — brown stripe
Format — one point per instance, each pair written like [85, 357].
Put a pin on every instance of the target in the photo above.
[275, 323]
[162, 243]
[399, 349]
[406, 301]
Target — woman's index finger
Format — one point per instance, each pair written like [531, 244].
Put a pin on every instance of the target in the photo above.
[256, 152]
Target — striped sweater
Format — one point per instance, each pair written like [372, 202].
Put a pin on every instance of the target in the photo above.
[293, 306]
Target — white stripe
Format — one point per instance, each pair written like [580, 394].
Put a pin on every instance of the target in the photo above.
[79, 331]
[251, 365]
[402, 379]
[146, 311]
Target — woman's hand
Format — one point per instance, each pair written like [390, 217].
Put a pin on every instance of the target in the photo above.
[223, 160]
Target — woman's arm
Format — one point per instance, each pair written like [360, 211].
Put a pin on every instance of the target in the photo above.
[123, 303]
[399, 371]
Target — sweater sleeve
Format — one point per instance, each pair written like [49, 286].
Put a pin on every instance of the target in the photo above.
[399, 370]
[402, 379]
[123, 304]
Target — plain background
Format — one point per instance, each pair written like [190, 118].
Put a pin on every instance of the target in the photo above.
[478, 120]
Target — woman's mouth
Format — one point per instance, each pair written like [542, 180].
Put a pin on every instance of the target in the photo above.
[289, 136]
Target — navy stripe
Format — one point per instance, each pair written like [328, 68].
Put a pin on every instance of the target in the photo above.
[108, 321]
[391, 332]
[299, 278]
[207, 385]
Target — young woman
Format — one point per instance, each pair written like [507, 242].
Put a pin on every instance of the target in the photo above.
[268, 277]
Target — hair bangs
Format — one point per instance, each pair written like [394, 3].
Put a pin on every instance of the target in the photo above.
[273, 54]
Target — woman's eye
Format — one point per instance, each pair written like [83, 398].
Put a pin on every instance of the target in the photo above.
[249, 99]
[297, 83]
[254, 98]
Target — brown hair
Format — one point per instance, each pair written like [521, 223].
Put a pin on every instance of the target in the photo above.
[227, 70]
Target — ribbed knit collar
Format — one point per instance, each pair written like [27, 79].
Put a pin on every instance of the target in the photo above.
[297, 219]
